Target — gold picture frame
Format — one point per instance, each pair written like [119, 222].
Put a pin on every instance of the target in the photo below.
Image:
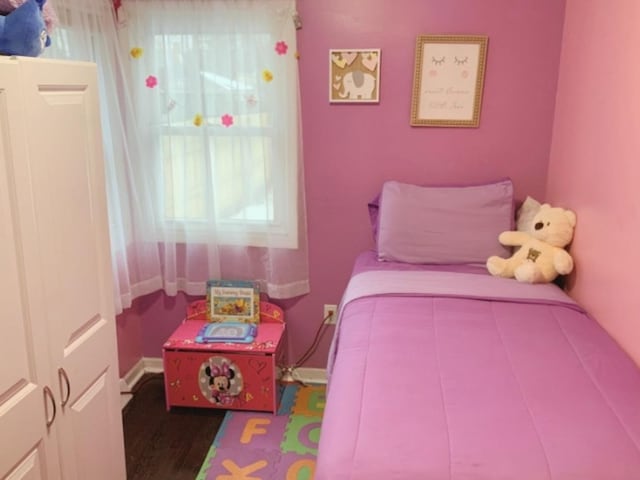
[448, 80]
[354, 75]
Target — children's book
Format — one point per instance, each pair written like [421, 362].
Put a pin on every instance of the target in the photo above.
[233, 301]
[227, 332]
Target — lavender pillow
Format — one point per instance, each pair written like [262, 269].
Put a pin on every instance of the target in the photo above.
[443, 224]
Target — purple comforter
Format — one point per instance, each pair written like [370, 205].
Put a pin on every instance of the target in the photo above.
[474, 378]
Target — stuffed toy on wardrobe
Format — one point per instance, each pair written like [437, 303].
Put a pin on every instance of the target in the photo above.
[23, 29]
[48, 12]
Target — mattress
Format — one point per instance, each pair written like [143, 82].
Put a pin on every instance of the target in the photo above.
[449, 373]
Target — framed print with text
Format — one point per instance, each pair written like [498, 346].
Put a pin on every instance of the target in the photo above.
[448, 80]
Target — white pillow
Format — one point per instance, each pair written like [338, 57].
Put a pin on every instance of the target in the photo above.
[526, 212]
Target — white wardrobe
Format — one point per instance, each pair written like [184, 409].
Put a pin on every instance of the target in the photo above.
[60, 411]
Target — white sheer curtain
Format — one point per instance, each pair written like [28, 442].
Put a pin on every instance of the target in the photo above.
[87, 31]
[200, 119]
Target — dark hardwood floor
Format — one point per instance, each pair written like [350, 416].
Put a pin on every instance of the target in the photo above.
[163, 445]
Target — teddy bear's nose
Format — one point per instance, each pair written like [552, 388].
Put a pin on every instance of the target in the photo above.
[538, 225]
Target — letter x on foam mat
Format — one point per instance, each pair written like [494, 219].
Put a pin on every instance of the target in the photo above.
[264, 446]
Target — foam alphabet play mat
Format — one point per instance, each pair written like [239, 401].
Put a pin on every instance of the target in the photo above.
[269, 447]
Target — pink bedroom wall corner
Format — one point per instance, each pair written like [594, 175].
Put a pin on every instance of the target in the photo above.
[594, 163]
[129, 335]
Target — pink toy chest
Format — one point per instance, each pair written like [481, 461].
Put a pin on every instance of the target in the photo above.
[234, 376]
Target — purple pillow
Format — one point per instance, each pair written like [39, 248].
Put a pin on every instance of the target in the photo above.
[418, 224]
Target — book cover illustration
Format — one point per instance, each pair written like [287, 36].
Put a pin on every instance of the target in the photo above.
[233, 301]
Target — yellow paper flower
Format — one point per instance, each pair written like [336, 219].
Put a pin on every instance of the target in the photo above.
[197, 120]
[136, 52]
[267, 76]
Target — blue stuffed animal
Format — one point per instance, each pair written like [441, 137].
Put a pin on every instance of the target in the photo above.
[23, 32]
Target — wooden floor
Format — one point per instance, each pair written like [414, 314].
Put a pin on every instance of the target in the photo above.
[163, 445]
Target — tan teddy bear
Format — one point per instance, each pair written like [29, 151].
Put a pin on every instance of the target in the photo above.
[541, 257]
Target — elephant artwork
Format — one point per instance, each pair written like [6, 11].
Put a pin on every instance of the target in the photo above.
[354, 76]
[357, 85]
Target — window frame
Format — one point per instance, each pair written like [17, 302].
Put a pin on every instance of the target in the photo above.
[282, 230]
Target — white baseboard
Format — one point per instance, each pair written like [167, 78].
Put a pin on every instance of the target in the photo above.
[310, 375]
[144, 365]
[124, 395]
[154, 365]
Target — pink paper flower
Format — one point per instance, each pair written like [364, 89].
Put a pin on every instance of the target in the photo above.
[251, 100]
[281, 47]
[151, 81]
[227, 120]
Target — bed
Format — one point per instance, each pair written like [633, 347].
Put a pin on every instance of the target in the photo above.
[439, 370]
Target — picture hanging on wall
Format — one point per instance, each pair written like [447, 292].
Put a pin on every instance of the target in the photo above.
[448, 80]
[354, 76]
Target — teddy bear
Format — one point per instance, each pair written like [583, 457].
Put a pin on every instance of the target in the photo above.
[541, 256]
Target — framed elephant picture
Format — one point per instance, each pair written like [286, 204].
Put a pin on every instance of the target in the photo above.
[354, 75]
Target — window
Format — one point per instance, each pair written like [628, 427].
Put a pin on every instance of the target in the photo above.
[200, 126]
[216, 103]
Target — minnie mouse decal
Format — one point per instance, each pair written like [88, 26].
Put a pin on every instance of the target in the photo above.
[220, 380]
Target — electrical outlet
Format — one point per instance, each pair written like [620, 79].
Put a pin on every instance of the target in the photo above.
[330, 314]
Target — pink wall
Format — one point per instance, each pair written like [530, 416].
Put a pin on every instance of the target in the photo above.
[595, 159]
[144, 327]
[129, 335]
[350, 150]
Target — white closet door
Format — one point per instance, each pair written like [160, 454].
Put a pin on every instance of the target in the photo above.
[24, 436]
[75, 296]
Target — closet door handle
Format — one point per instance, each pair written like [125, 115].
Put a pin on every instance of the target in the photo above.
[62, 375]
[48, 394]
